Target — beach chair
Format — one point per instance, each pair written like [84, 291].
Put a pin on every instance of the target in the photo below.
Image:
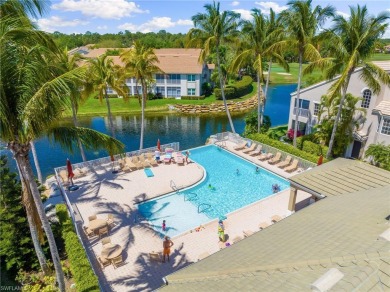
[118, 261]
[240, 146]
[136, 162]
[250, 149]
[143, 162]
[110, 220]
[203, 256]
[105, 241]
[179, 159]
[293, 167]
[103, 231]
[103, 262]
[276, 159]
[263, 225]
[168, 158]
[151, 160]
[257, 151]
[89, 232]
[285, 162]
[265, 156]
[91, 218]
[64, 177]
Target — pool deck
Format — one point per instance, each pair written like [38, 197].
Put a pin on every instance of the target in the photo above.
[105, 193]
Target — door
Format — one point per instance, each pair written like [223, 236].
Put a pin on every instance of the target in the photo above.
[357, 145]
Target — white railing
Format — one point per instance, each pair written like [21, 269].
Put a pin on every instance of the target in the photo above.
[302, 112]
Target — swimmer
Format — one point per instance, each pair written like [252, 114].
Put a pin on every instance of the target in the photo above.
[211, 187]
[275, 188]
[257, 169]
[237, 171]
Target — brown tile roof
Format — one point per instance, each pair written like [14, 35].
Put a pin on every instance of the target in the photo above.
[336, 232]
[383, 108]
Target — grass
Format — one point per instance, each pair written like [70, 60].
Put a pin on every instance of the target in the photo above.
[380, 57]
[277, 78]
[93, 106]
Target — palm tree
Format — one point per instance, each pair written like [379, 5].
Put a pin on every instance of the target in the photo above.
[140, 63]
[261, 38]
[380, 154]
[353, 41]
[102, 75]
[302, 23]
[211, 30]
[31, 102]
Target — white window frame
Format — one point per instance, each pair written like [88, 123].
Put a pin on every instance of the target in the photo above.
[366, 99]
[318, 109]
[385, 127]
[191, 91]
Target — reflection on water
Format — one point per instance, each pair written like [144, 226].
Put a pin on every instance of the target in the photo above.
[191, 131]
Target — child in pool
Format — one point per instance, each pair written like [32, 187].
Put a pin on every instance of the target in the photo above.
[164, 226]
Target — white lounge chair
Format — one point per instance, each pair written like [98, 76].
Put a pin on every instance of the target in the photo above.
[249, 149]
[285, 162]
[257, 151]
[240, 146]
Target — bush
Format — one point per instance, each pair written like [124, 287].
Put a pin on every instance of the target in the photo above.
[310, 144]
[285, 147]
[80, 267]
[239, 89]
[193, 97]
[290, 134]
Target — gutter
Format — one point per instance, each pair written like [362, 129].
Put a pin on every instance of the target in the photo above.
[305, 189]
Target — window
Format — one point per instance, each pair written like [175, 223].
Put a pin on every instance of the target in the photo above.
[159, 78]
[303, 103]
[109, 90]
[137, 90]
[173, 79]
[386, 126]
[173, 92]
[366, 98]
[191, 91]
[191, 77]
[316, 109]
[130, 90]
[161, 90]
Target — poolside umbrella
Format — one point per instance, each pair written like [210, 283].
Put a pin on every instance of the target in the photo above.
[158, 145]
[320, 160]
[70, 170]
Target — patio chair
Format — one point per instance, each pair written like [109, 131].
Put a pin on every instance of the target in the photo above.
[240, 146]
[276, 159]
[179, 159]
[263, 225]
[106, 240]
[129, 164]
[154, 256]
[110, 220]
[103, 262]
[136, 162]
[88, 232]
[247, 233]
[276, 218]
[265, 156]
[91, 218]
[143, 162]
[285, 162]
[167, 158]
[293, 167]
[257, 151]
[150, 159]
[118, 261]
[249, 149]
[103, 231]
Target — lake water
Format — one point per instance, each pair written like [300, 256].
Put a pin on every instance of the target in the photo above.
[191, 131]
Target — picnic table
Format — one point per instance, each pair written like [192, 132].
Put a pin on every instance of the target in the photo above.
[111, 251]
[97, 224]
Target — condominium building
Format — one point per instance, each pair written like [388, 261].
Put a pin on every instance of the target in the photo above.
[376, 128]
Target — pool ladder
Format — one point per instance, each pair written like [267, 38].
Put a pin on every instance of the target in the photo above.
[208, 206]
[173, 185]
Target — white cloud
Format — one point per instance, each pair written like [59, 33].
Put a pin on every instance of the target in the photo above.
[102, 27]
[235, 3]
[155, 24]
[343, 14]
[386, 35]
[100, 8]
[265, 6]
[53, 23]
[245, 14]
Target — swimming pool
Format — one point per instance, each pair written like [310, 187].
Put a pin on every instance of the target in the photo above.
[230, 184]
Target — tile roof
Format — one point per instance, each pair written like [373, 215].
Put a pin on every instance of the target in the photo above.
[383, 108]
[341, 176]
[336, 232]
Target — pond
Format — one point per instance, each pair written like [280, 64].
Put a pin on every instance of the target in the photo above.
[190, 131]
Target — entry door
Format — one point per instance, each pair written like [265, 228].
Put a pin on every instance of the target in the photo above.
[356, 149]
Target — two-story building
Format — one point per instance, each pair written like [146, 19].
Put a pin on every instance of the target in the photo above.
[183, 74]
[376, 128]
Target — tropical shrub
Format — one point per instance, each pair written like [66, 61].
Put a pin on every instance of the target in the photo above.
[264, 139]
[207, 89]
[290, 134]
[251, 123]
[80, 267]
[277, 132]
[236, 90]
[380, 154]
[310, 144]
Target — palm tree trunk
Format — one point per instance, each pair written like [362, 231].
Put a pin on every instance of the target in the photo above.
[259, 105]
[141, 140]
[75, 122]
[33, 231]
[223, 90]
[36, 162]
[297, 107]
[266, 89]
[109, 114]
[20, 153]
[332, 137]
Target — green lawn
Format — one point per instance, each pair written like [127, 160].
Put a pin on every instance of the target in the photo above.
[278, 78]
[380, 57]
[119, 106]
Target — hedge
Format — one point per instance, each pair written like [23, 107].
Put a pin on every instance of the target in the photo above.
[82, 272]
[239, 89]
[285, 147]
[193, 97]
[308, 144]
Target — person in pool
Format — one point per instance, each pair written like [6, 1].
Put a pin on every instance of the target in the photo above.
[275, 188]
[257, 169]
[237, 171]
[211, 187]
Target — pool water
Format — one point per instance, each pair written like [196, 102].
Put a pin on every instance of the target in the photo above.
[230, 184]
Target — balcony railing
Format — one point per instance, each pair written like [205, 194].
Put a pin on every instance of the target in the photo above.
[302, 112]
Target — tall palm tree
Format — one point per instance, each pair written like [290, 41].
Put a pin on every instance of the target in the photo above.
[140, 63]
[353, 40]
[211, 29]
[260, 40]
[302, 23]
[102, 75]
[31, 103]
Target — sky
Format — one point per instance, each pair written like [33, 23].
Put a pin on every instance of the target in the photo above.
[113, 16]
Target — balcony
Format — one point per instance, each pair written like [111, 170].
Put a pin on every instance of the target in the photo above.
[302, 112]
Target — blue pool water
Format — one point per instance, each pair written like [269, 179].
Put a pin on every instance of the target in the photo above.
[228, 192]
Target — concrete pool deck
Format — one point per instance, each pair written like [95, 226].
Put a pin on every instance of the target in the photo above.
[104, 193]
